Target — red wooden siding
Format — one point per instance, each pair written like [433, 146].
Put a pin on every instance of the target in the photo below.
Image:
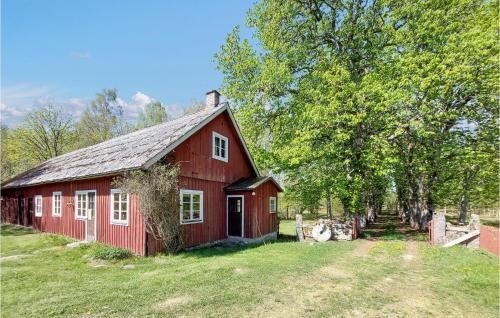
[214, 223]
[199, 171]
[195, 154]
[130, 237]
[260, 220]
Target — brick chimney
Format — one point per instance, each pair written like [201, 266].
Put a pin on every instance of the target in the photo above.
[212, 99]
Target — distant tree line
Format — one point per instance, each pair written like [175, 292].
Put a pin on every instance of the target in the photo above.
[364, 100]
[50, 131]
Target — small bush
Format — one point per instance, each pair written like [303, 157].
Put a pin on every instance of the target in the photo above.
[108, 253]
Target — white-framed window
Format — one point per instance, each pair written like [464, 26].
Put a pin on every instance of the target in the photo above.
[119, 207]
[272, 204]
[191, 206]
[38, 205]
[220, 147]
[56, 203]
[81, 199]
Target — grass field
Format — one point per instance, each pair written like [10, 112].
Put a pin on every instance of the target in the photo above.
[42, 278]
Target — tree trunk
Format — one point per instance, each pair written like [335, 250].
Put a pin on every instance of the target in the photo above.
[464, 206]
[470, 174]
[329, 211]
[415, 204]
[370, 209]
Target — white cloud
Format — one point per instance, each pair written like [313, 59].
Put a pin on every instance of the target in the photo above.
[19, 100]
[4, 109]
[138, 103]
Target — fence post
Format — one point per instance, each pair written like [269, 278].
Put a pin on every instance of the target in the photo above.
[299, 227]
[438, 228]
[431, 240]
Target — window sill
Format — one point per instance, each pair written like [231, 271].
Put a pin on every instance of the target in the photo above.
[56, 216]
[220, 158]
[81, 218]
[38, 216]
[119, 223]
[272, 212]
[192, 222]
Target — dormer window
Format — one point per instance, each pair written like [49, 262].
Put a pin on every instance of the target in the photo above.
[219, 147]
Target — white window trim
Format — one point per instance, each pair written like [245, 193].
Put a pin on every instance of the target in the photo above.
[214, 156]
[191, 192]
[271, 199]
[111, 212]
[86, 192]
[59, 193]
[38, 213]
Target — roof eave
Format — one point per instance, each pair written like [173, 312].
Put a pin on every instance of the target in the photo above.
[93, 176]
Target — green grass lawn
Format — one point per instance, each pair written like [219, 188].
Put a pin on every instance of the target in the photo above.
[284, 278]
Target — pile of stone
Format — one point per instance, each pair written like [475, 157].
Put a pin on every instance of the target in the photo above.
[324, 230]
[447, 234]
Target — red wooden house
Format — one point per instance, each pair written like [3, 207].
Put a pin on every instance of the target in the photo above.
[222, 196]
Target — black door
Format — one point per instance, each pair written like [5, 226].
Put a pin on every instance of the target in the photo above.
[20, 210]
[30, 212]
[234, 215]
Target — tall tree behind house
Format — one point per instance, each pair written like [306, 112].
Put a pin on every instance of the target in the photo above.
[103, 119]
[154, 113]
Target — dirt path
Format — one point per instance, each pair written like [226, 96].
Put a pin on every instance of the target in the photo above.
[316, 290]
[364, 248]
[387, 224]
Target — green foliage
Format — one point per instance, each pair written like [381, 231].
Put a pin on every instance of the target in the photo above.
[354, 97]
[45, 133]
[49, 131]
[101, 120]
[157, 192]
[108, 253]
[154, 113]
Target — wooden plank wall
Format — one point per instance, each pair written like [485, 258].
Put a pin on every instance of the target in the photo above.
[130, 237]
[195, 154]
[261, 221]
[214, 223]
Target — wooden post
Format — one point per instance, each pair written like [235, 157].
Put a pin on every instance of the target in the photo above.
[299, 228]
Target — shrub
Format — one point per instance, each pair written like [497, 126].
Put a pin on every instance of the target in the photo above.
[157, 192]
[105, 252]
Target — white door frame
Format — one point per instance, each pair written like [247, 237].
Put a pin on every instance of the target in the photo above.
[242, 213]
[87, 214]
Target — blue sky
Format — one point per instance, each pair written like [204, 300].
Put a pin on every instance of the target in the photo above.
[63, 52]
